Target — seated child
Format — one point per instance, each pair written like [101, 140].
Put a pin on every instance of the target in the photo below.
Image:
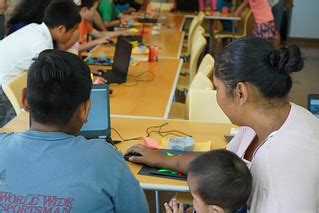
[49, 168]
[87, 12]
[219, 182]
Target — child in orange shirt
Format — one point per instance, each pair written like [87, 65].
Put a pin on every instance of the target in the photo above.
[87, 10]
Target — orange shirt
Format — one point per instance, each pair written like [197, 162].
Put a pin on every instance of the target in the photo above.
[85, 28]
[261, 10]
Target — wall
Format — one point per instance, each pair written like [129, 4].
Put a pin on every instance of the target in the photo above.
[304, 19]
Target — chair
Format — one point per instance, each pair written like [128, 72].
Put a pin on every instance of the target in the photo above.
[192, 28]
[203, 106]
[197, 48]
[13, 90]
[201, 103]
[207, 65]
[201, 16]
[242, 29]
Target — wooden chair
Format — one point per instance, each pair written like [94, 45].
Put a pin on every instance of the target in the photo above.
[242, 29]
[201, 16]
[13, 90]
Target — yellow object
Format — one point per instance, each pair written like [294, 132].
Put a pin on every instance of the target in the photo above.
[133, 30]
[13, 90]
[140, 50]
[192, 28]
[197, 47]
[207, 65]
[134, 43]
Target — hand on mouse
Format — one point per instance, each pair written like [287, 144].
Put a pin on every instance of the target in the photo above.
[149, 156]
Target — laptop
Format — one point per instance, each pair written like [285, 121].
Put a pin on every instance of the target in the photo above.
[99, 123]
[121, 62]
[187, 5]
[313, 104]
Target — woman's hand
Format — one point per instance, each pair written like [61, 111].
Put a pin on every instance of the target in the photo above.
[150, 157]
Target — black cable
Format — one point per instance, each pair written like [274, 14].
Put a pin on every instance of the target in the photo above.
[125, 139]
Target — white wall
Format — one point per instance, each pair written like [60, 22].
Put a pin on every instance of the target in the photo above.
[305, 19]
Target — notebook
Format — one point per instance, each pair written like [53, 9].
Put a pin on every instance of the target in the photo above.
[98, 124]
[121, 62]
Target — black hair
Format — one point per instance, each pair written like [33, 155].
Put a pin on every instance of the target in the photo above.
[222, 179]
[58, 82]
[87, 3]
[27, 12]
[254, 60]
[62, 12]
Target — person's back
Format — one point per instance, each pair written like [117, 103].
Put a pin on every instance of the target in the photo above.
[18, 49]
[54, 170]
[49, 168]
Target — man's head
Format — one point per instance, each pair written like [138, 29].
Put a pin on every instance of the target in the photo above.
[88, 8]
[219, 182]
[58, 91]
[62, 18]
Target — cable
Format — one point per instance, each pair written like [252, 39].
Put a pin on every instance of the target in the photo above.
[159, 131]
[125, 139]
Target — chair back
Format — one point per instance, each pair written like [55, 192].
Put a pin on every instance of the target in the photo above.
[191, 31]
[198, 46]
[243, 23]
[202, 106]
[13, 90]
[201, 16]
[207, 65]
[201, 81]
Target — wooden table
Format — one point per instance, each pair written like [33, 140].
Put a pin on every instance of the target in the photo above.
[149, 95]
[169, 43]
[136, 127]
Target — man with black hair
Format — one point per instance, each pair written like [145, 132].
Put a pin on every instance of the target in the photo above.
[19, 48]
[49, 168]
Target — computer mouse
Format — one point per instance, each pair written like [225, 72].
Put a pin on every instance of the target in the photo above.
[130, 154]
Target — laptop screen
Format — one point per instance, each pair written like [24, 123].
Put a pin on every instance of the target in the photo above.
[122, 57]
[313, 104]
[98, 124]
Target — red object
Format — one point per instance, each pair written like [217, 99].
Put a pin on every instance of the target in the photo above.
[153, 54]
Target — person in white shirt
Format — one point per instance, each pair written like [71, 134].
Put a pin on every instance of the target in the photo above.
[278, 140]
[18, 50]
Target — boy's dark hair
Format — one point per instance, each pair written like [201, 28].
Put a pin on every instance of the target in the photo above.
[222, 179]
[27, 12]
[254, 60]
[58, 82]
[87, 3]
[62, 12]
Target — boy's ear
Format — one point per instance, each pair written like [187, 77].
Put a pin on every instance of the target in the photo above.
[24, 101]
[61, 29]
[215, 209]
[85, 111]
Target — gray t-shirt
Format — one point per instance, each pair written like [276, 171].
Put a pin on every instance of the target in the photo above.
[56, 172]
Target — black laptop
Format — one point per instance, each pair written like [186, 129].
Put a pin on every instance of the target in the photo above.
[99, 124]
[121, 62]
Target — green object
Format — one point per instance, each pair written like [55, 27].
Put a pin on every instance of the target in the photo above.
[108, 10]
[169, 154]
[167, 171]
